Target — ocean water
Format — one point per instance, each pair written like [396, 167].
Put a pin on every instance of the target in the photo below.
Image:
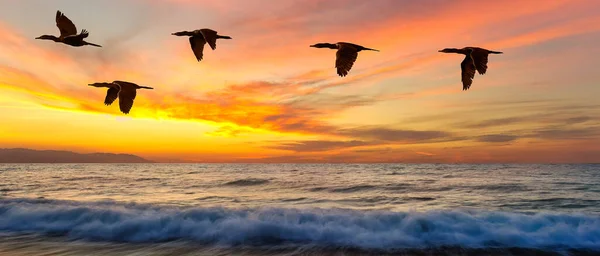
[299, 209]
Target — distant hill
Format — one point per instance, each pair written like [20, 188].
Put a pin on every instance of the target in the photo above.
[21, 155]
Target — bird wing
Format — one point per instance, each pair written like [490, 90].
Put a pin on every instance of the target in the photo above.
[480, 57]
[345, 57]
[210, 36]
[65, 25]
[84, 34]
[111, 95]
[468, 71]
[126, 97]
[355, 46]
[197, 44]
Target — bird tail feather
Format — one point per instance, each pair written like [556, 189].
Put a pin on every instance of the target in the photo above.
[92, 44]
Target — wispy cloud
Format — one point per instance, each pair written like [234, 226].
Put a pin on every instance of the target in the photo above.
[497, 138]
[268, 89]
[396, 135]
[315, 146]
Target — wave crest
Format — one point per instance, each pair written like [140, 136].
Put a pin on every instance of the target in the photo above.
[109, 221]
[247, 182]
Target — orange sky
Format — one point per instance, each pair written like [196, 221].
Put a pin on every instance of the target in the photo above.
[265, 96]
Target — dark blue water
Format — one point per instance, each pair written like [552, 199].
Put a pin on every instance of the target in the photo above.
[291, 209]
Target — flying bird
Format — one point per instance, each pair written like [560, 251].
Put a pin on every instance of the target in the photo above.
[125, 91]
[345, 56]
[475, 59]
[68, 33]
[198, 38]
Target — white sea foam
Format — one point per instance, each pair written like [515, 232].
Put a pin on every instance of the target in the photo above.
[109, 221]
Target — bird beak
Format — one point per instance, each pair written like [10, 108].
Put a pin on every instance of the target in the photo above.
[39, 37]
[312, 45]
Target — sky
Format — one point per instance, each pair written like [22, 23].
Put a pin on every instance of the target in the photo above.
[266, 96]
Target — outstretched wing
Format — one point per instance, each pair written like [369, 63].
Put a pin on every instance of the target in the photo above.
[345, 57]
[210, 36]
[126, 97]
[468, 71]
[65, 25]
[197, 44]
[111, 95]
[480, 57]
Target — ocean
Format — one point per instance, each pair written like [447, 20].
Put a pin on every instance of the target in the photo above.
[299, 209]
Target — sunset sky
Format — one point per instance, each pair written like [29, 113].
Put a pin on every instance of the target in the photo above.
[266, 96]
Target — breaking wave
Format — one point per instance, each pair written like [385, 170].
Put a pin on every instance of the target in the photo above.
[333, 228]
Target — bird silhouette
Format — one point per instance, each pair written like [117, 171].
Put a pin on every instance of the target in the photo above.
[68, 33]
[345, 56]
[476, 59]
[125, 91]
[198, 38]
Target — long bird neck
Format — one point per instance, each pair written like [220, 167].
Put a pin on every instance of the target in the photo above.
[454, 50]
[50, 37]
[107, 85]
[326, 45]
[184, 33]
